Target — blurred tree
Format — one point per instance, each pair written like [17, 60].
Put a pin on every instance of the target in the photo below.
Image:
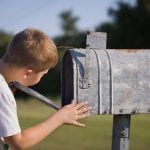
[68, 23]
[130, 26]
[4, 40]
[72, 36]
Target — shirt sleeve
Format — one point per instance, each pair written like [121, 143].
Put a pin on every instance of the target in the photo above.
[9, 124]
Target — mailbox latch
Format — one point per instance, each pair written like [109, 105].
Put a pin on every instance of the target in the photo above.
[85, 83]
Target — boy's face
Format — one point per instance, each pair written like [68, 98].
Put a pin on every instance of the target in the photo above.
[32, 78]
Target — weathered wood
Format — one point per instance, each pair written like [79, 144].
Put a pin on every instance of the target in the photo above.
[121, 132]
[96, 40]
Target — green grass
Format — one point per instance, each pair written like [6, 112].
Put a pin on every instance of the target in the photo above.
[96, 135]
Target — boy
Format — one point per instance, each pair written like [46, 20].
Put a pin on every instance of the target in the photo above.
[29, 56]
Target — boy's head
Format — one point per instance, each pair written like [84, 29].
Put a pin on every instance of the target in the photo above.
[33, 50]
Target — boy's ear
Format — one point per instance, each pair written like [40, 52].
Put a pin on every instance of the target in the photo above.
[27, 73]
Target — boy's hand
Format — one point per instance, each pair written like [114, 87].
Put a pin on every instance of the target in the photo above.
[73, 112]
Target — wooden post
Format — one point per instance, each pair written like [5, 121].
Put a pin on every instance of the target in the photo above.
[121, 132]
[121, 123]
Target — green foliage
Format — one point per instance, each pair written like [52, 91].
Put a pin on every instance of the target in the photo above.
[4, 40]
[68, 23]
[130, 26]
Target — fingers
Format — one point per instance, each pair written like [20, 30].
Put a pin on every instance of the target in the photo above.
[73, 102]
[84, 110]
[78, 106]
[79, 124]
[81, 116]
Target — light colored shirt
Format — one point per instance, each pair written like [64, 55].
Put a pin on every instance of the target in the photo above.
[9, 124]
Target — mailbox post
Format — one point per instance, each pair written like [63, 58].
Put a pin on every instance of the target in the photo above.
[113, 81]
[121, 132]
[121, 123]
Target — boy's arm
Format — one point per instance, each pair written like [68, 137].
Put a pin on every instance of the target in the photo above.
[68, 114]
[33, 135]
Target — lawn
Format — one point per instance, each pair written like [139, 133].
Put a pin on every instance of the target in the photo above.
[96, 135]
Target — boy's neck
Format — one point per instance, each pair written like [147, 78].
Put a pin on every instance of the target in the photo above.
[7, 71]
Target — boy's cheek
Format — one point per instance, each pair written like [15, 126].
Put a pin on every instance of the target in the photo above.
[31, 82]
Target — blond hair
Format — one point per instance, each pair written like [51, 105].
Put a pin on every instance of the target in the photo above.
[33, 49]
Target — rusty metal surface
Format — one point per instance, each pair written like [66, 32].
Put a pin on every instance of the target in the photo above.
[119, 80]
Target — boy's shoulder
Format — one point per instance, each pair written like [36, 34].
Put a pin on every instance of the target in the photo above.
[5, 92]
[9, 124]
[3, 84]
[1, 78]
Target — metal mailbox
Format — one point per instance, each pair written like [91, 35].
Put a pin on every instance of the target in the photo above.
[113, 81]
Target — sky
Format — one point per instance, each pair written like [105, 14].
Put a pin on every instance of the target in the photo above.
[17, 15]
